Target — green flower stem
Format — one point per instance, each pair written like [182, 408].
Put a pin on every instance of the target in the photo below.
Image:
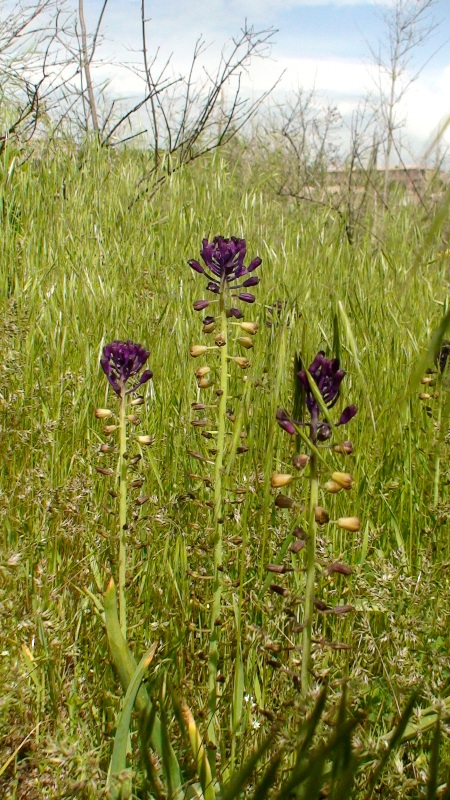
[218, 527]
[437, 456]
[122, 471]
[308, 608]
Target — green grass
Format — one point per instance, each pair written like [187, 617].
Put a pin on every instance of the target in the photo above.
[82, 265]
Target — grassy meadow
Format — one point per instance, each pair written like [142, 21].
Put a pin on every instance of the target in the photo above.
[83, 265]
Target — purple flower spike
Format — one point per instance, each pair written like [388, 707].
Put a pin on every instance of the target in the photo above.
[224, 264]
[347, 414]
[327, 376]
[121, 361]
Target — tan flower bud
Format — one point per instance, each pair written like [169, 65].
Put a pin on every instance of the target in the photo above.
[137, 401]
[300, 461]
[105, 448]
[197, 350]
[202, 371]
[133, 418]
[109, 429]
[220, 339]
[332, 487]
[145, 439]
[424, 396]
[280, 479]
[344, 479]
[429, 381]
[249, 327]
[204, 383]
[245, 341]
[103, 413]
[321, 515]
[344, 447]
[351, 524]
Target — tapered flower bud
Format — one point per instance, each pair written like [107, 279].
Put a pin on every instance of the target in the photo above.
[234, 312]
[133, 418]
[249, 327]
[197, 350]
[351, 524]
[209, 324]
[243, 363]
[245, 341]
[103, 413]
[339, 568]
[199, 423]
[281, 501]
[109, 429]
[145, 439]
[103, 471]
[105, 448]
[300, 461]
[424, 396]
[346, 448]
[428, 380]
[246, 297]
[199, 305]
[280, 479]
[321, 515]
[332, 487]
[204, 383]
[137, 401]
[202, 371]
[344, 479]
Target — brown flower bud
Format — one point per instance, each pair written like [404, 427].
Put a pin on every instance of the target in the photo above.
[321, 515]
[243, 363]
[103, 471]
[133, 418]
[281, 501]
[202, 371]
[343, 479]
[199, 423]
[103, 413]
[296, 546]
[280, 479]
[209, 327]
[339, 568]
[351, 524]
[197, 350]
[105, 448]
[300, 461]
[220, 339]
[245, 341]
[204, 383]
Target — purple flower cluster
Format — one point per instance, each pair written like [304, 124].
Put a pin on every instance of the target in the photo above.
[121, 361]
[327, 376]
[224, 264]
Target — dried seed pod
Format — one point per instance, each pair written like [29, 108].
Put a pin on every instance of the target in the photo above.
[243, 363]
[280, 479]
[278, 569]
[133, 418]
[321, 515]
[343, 479]
[220, 339]
[351, 524]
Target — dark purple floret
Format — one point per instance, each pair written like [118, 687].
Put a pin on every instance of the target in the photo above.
[327, 376]
[224, 264]
[443, 355]
[121, 361]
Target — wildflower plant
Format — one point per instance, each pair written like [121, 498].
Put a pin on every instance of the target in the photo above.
[123, 363]
[317, 391]
[228, 280]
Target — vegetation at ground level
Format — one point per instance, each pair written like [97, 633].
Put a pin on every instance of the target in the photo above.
[84, 264]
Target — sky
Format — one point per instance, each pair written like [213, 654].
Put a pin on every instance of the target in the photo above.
[328, 46]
